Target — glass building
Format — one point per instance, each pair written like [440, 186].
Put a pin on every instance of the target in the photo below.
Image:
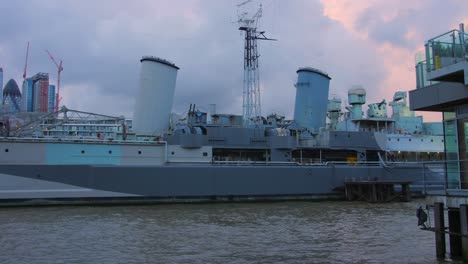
[38, 94]
[1, 84]
[28, 95]
[442, 86]
[12, 97]
[52, 96]
[41, 92]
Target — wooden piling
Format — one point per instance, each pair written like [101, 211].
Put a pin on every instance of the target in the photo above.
[373, 193]
[377, 191]
[464, 230]
[405, 192]
[454, 232]
[439, 226]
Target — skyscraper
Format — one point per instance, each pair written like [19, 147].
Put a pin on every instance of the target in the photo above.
[41, 92]
[28, 95]
[12, 97]
[38, 94]
[1, 84]
[51, 107]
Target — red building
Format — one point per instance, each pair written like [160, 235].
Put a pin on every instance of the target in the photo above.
[41, 92]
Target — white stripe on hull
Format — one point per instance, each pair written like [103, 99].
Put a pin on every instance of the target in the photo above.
[15, 187]
[47, 190]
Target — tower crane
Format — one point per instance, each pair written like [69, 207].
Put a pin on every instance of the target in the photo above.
[26, 62]
[59, 70]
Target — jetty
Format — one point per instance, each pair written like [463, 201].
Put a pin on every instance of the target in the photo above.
[377, 191]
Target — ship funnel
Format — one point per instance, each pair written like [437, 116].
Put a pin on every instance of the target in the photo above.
[155, 96]
[310, 109]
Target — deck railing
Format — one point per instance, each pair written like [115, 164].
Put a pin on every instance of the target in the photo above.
[446, 49]
[453, 174]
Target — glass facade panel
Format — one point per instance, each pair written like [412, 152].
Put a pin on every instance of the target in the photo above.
[28, 94]
[51, 107]
[451, 150]
[462, 127]
[421, 75]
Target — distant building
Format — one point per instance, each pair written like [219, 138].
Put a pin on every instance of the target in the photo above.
[52, 101]
[12, 97]
[41, 92]
[1, 84]
[27, 95]
[38, 94]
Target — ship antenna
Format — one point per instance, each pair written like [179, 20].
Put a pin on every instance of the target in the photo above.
[251, 107]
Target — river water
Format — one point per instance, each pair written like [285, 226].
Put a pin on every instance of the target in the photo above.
[279, 232]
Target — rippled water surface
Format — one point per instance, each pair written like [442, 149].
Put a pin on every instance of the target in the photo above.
[282, 232]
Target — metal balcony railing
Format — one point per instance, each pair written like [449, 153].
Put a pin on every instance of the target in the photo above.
[446, 49]
[454, 172]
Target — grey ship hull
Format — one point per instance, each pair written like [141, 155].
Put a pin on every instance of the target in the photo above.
[45, 184]
[64, 171]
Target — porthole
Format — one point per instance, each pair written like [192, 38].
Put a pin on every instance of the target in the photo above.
[409, 139]
[172, 153]
[139, 152]
[432, 140]
[205, 154]
[82, 152]
[6, 150]
[110, 151]
[398, 139]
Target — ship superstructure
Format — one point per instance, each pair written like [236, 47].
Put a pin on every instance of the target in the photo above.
[306, 139]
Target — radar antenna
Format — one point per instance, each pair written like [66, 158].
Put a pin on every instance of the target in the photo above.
[251, 108]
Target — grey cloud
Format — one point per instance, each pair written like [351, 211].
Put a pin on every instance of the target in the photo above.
[431, 19]
[101, 43]
[392, 31]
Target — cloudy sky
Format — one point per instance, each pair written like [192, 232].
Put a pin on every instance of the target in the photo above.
[372, 43]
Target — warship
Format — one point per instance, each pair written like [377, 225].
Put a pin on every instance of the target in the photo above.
[69, 156]
[158, 157]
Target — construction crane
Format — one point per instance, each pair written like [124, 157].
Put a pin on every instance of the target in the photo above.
[26, 63]
[244, 3]
[59, 70]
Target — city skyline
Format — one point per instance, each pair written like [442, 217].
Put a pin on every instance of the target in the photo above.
[369, 43]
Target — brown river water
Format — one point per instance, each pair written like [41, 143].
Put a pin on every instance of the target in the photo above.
[277, 232]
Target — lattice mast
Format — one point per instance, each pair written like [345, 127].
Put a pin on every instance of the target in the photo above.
[251, 107]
